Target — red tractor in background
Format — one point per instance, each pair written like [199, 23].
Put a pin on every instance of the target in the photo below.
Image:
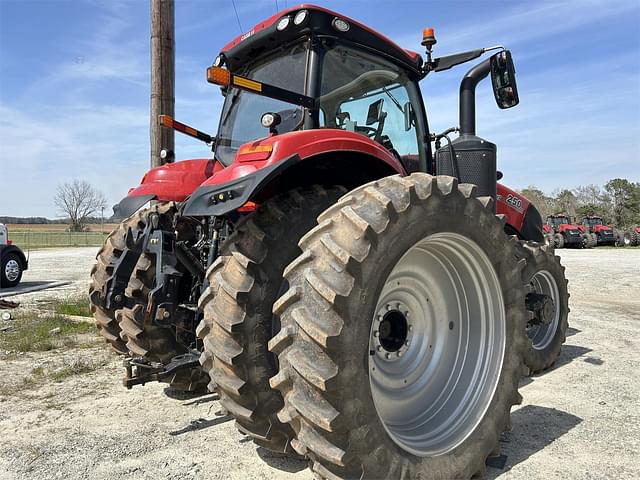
[602, 234]
[356, 292]
[634, 236]
[561, 233]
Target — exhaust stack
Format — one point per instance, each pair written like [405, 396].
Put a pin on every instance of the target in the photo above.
[468, 96]
[470, 158]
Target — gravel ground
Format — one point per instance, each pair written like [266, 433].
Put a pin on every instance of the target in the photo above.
[580, 420]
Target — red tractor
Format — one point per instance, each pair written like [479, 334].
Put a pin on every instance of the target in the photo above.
[358, 292]
[601, 233]
[561, 233]
[634, 236]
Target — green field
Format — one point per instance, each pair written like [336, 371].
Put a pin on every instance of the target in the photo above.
[42, 236]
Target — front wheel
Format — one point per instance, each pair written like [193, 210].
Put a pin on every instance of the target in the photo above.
[558, 240]
[403, 333]
[11, 270]
[623, 239]
[548, 304]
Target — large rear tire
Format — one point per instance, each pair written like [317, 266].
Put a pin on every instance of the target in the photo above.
[544, 274]
[238, 319]
[147, 340]
[403, 333]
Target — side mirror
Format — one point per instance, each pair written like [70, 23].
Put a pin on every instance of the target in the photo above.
[407, 111]
[375, 112]
[503, 79]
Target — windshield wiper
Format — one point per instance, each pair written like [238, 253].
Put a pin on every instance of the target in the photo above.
[393, 99]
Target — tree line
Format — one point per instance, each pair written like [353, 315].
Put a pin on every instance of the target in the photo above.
[617, 202]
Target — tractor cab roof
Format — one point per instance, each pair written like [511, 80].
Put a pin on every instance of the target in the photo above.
[321, 22]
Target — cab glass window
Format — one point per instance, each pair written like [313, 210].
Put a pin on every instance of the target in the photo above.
[365, 94]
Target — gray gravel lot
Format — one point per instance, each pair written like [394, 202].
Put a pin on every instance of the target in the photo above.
[580, 420]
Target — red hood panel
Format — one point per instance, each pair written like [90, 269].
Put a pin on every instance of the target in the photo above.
[512, 205]
[176, 181]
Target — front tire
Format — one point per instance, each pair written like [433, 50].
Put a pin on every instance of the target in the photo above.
[10, 270]
[558, 240]
[384, 272]
[238, 321]
[544, 274]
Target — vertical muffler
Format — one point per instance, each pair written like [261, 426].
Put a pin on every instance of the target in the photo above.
[470, 158]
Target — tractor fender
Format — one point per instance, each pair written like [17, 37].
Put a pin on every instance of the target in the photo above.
[259, 164]
[170, 182]
[522, 217]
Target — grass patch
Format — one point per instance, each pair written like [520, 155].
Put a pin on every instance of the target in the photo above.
[78, 306]
[40, 334]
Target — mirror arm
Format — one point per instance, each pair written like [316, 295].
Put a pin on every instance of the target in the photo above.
[445, 63]
[468, 96]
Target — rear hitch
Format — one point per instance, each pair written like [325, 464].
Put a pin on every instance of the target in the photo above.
[112, 297]
[139, 371]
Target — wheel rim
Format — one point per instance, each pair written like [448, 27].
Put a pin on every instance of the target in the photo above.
[12, 270]
[433, 381]
[542, 335]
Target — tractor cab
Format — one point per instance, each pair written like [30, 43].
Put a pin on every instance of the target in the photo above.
[355, 79]
[603, 233]
[556, 220]
[592, 221]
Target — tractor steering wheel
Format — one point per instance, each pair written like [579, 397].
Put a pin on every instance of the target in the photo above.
[370, 132]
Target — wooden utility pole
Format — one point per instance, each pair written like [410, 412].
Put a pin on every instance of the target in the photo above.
[162, 77]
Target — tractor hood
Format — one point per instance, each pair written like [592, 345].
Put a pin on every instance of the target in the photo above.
[172, 182]
[568, 227]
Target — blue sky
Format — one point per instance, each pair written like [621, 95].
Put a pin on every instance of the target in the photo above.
[74, 86]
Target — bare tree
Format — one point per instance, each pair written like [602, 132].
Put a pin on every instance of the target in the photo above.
[78, 200]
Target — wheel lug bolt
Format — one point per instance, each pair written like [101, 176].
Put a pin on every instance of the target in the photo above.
[399, 353]
[406, 342]
[376, 333]
[388, 307]
[410, 327]
[379, 348]
[387, 355]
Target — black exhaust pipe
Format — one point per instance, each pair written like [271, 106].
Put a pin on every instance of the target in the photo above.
[470, 158]
[468, 96]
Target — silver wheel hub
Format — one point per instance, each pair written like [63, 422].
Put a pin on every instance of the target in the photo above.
[12, 270]
[542, 335]
[392, 331]
[437, 344]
